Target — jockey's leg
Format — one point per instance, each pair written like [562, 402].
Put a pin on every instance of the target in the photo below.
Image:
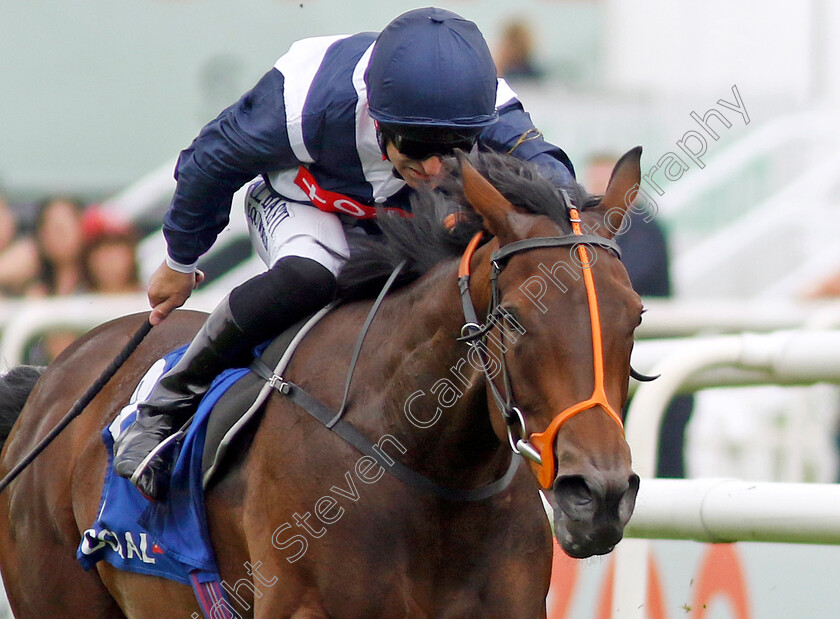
[296, 285]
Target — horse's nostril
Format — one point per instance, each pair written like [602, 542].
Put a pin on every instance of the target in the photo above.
[628, 499]
[572, 492]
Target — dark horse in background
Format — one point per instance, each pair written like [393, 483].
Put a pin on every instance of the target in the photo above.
[389, 550]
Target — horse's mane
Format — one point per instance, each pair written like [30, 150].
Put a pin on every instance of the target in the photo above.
[423, 241]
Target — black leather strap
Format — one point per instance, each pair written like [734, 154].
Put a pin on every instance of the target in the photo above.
[400, 471]
[503, 253]
[350, 434]
[371, 314]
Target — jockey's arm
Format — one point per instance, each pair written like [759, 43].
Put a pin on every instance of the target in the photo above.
[515, 133]
[245, 140]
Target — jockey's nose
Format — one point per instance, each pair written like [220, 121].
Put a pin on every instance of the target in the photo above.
[432, 166]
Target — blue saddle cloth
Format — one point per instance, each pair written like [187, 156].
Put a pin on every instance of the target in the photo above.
[167, 538]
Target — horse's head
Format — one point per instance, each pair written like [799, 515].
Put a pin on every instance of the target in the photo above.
[558, 355]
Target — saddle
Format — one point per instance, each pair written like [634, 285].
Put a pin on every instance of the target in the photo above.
[240, 406]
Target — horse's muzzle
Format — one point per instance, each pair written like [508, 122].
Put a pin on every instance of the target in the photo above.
[590, 513]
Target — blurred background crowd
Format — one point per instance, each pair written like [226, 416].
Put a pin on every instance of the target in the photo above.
[62, 247]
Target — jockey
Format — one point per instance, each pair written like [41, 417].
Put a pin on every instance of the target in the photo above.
[340, 126]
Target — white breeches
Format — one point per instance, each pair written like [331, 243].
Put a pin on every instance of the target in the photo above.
[281, 228]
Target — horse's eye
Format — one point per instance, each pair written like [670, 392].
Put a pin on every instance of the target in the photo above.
[511, 311]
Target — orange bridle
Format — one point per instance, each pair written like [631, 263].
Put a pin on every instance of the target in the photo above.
[539, 446]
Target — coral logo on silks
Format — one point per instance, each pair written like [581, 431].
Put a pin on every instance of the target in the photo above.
[125, 546]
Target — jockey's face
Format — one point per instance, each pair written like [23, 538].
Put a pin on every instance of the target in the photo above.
[416, 151]
[417, 174]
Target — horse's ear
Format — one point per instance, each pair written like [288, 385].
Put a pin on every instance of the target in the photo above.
[485, 199]
[622, 188]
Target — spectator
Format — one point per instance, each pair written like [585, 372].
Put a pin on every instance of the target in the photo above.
[645, 256]
[514, 56]
[18, 254]
[60, 242]
[109, 259]
[643, 243]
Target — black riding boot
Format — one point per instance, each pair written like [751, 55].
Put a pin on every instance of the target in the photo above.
[138, 450]
[255, 311]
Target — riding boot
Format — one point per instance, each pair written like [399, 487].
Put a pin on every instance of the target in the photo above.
[138, 451]
[257, 310]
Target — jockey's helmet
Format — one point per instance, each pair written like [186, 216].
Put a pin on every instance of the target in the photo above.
[431, 79]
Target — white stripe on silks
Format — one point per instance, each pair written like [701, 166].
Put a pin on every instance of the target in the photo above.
[299, 66]
[504, 93]
[283, 182]
[141, 393]
[377, 172]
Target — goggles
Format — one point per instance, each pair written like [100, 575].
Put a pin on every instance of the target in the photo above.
[421, 145]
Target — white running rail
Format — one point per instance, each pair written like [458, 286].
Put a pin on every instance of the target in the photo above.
[79, 313]
[785, 357]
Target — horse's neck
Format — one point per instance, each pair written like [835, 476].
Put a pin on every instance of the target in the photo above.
[432, 394]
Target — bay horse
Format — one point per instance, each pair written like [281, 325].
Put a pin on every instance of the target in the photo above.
[558, 335]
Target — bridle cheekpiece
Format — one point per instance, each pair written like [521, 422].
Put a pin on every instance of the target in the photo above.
[539, 446]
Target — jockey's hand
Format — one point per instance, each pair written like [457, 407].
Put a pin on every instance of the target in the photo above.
[169, 290]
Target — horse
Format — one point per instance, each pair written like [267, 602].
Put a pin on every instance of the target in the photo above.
[451, 399]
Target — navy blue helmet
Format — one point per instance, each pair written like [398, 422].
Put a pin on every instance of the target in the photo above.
[432, 68]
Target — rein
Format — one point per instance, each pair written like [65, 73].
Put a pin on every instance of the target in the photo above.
[539, 446]
[335, 422]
